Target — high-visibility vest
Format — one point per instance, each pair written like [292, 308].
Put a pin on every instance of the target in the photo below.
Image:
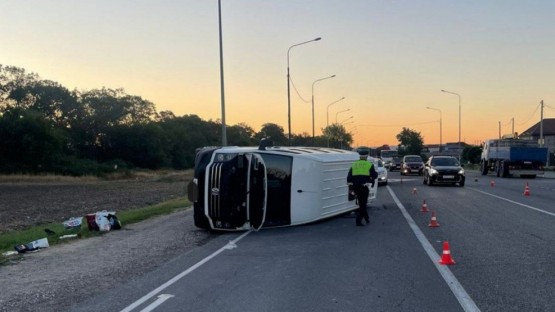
[361, 168]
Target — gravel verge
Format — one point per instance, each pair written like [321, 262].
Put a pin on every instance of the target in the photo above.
[55, 278]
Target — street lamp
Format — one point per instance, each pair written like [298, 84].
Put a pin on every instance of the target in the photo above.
[440, 136]
[328, 111]
[315, 81]
[224, 133]
[328, 118]
[459, 116]
[339, 112]
[289, 87]
[343, 122]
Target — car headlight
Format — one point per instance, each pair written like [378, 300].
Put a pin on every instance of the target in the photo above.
[433, 171]
[461, 172]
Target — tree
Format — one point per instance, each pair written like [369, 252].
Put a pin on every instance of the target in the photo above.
[274, 132]
[164, 115]
[55, 102]
[105, 108]
[12, 79]
[303, 139]
[410, 142]
[338, 136]
[472, 154]
[28, 142]
[143, 145]
[186, 134]
[240, 135]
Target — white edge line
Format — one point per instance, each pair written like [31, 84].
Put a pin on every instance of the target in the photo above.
[159, 301]
[153, 293]
[514, 202]
[460, 293]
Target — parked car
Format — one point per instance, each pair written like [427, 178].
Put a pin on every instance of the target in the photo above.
[380, 169]
[412, 164]
[443, 169]
[395, 164]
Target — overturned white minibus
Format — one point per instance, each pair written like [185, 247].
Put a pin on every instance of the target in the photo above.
[239, 188]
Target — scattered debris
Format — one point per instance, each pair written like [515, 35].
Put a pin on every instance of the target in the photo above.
[115, 224]
[49, 232]
[91, 222]
[73, 223]
[103, 221]
[32, 246]
[68, 236]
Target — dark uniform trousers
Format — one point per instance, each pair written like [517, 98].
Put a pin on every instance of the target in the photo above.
[361, 193]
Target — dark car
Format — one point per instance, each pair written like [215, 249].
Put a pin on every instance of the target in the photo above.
[412, 164]
[395, 164]
[443, 169]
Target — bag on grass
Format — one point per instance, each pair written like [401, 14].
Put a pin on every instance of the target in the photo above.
[101, 219]
[115, 224]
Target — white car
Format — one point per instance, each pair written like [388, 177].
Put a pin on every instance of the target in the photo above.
[380, 169]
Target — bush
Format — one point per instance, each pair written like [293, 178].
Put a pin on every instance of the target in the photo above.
[73, 166]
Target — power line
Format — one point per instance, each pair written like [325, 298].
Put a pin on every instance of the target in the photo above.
[405, 125]
[552, 108]
[297, 91]
[527, 120]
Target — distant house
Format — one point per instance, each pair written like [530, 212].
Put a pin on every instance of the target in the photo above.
[450, 149]
[533, 133]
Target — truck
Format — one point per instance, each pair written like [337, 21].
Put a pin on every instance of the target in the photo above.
[512, 157]
[387, 157]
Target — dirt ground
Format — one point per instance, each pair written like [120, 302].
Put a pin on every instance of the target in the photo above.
[34, 202]
[63, 276]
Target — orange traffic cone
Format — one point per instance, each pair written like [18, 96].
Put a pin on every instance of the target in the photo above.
[526, 190]
[446, 258]
[492, 183]
[414, 190]
[433, 221]
[424, 207]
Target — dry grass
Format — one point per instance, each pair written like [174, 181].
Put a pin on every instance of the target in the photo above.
[158, 175]
[24, 178]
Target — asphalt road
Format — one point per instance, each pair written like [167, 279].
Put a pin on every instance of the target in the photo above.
[503, 244]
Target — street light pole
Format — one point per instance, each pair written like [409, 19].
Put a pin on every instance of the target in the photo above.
[343, 122]
[315, 81]
[224, 134]
[328, 117]
[440, 131]
[289, 87]
[459, 116]
[339, 112]
[328, 111]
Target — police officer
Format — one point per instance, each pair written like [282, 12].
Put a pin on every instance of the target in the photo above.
[361, 174]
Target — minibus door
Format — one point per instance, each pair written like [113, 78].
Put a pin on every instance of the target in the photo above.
[257, 191]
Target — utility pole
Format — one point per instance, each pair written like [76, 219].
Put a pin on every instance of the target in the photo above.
[541, 124]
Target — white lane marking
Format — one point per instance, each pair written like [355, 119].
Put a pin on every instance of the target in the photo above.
[399, 180]
[460, 293]
[159, 301]
[229, 245]
[514, 202]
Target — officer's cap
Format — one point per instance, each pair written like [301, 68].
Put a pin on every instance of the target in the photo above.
[363, 153]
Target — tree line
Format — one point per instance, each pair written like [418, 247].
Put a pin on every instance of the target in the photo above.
[46, 128]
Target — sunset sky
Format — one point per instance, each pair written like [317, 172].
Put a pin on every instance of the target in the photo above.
[391, 60]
